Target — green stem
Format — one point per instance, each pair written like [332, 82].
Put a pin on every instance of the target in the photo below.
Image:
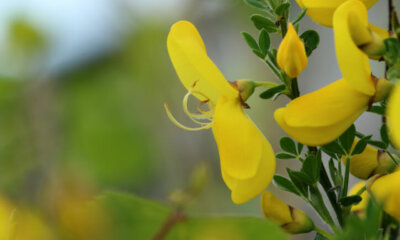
[283, 24]
[346, 177]
[392, 157]
[323, 232]
[295, 88]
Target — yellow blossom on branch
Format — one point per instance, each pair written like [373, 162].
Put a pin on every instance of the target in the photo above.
[247, 159]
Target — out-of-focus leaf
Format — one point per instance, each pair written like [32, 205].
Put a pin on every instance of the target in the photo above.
[141, 219]
[264, 41]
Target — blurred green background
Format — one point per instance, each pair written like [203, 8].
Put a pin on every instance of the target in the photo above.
[82, 87]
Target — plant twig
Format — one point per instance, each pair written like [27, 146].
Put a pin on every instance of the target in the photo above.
[175, 217]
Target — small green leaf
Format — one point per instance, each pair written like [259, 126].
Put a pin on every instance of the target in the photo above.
[361, 145]
[335, 174]
[257, 4]
[333, 147]
[347, 138]
[300, 16]
[300, 180]
[261, 22]
[258, 53]
[285, 156]
[377, 144]
[272, 91]
[377, 109]
[311, 40]
[311, 167]
[288, 145]
[281, 9]
[299, 148]
[250, 41]
[284, 184]
[350, 200]
[384, 134]
[264, 42]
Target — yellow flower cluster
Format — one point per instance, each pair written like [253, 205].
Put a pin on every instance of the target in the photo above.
[315, 119]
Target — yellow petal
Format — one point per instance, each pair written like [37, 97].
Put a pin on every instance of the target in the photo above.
[386, 189]
[393, 115]
[383, 33]
[331, 104]
[353, 63]
[320, 117]
[274, 209]
[240, 143]
[321, 11]
[189, 57]
[363, 165]
[361, 206]
[247, 159]
[244, 190]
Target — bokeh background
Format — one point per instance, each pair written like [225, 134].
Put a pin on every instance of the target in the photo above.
[82, 87]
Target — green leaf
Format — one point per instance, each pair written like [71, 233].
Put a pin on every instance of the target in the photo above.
[347, 138]
[131, 217]
[285, 156]
[250, 41]
[350, 200]
[288, 145]
[333, 147]
[311, 40]
[264, 42]
[384, 134]
[377, 144]
[377, 109]
[272, 91]
[261, 22]
[335, 174]
[281, 9]
[300, 16]
[299, 148]
[284, 184]
[361, 145]
[300, 180]
[311, 167]
[259, 54]
[257, 4]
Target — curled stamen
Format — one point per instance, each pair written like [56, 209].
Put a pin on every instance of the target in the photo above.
[173, 120]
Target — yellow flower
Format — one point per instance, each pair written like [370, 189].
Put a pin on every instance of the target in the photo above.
[320, 117]
[291, 54]
[386, 189]
[321, 11]
[359, 209]
[247, 159]
[393, 116]
[291, 219]
[370, 162]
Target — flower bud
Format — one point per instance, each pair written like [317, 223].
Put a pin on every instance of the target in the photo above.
[370, 162]
[386, 189]
[245, 88]
[291, 54]
[359, 209]
[383, 88]
[291, 219]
